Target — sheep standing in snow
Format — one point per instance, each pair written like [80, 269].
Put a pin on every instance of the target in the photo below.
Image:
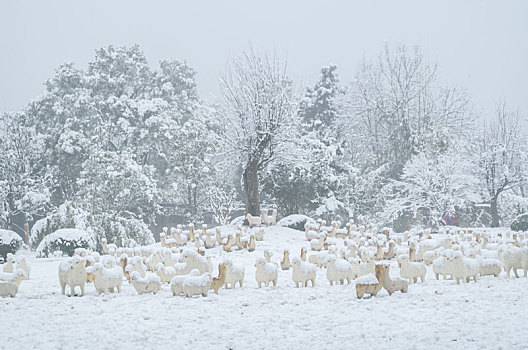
[136, 264]
[23, 264]
[338, 270]
[303, 254]
[165, 273]
[106, 279]
[411, 270]
[303, 272]
[259, 235]
[318, 244]
[285, 262]
[253, 220]
[514, 258]
[219, 281]
[442, 266]
[251, 244]
[268, 220]
[176, 282]
[109, 249]
[196, 261]
[490, 267]
[72, 273]
[265, 272]
[393, 285]
[210, 241]
[267, 255]
[390, 253]
[151, 283]
[9, 282]
[227, 244]
[234, 274]
[464, 268]
[240, 242]
[369, 284]
[197, 285]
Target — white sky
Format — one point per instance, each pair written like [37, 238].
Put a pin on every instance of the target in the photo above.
[481, 45]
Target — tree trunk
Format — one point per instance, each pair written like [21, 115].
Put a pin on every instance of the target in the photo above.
[494, 212]
[251, 189]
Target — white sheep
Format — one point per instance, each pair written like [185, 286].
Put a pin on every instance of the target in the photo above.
[259, 235]
[151, 283]
[9, 267]
[285, 262]
[514, 258]
[196, 261]
[311, 234]
[136, 264]
[253, 220]
[490, 267]
[234, 273]
[16, 276]
[176, 282]
[267, 255]
[411, 270]
[268, 220]
[265, 272]
[464, 268]
[318, 244]
[165, 273]
[106, 279]
[72, 273]
[442, 266]
[197, 285]
[8, 289]
[303, 272]
[23, 264]
[338, 270]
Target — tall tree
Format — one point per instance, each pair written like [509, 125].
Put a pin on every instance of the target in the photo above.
[259, 110]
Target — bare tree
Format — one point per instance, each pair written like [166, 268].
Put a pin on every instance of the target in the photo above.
[259, 107]
[503, 157]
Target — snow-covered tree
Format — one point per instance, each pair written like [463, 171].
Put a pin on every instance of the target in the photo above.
[259, 117]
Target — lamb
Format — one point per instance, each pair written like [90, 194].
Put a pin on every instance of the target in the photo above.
[411, 270]
[285, 262]
[442, 266]
[8, 267]
[253, 220]
[151, 283]
[268, 220]
[265, 272]
[24, 265]
[514, 258]
[234, 274]
[106, 279]
[176, 282]
[303, 272]
[197, 285]
[338, 270]
[72, 273]
[219, 281]
[464, 268]
[393, 285]
[369, 284]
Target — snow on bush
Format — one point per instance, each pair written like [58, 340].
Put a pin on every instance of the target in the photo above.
[520, 223]
[295, 221]
[63, 242]
[10, 242]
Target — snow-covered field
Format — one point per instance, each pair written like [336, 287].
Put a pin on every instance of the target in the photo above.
[490, 314]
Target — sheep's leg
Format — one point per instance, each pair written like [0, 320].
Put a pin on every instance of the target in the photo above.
[313, 283]
[240, 282]
[331, 282]
[63, 288]
[341, 282]
[515, 272]
[437, 276]
[458, 280]
[415, 279]
[475, 278]
[274, 283]
[422, 278]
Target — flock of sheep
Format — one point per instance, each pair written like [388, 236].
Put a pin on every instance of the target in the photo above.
[360, 255]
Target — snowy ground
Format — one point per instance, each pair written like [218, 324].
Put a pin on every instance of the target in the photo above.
[491, 314]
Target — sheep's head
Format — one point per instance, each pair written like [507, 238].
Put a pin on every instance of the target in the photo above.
[260, 262]
[296, 261]
[134, 276]
[329, 260]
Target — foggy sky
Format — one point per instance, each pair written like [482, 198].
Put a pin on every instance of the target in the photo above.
[480, 45]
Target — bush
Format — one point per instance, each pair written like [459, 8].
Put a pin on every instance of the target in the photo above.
[295, 221]
[63, 242]
[520, 223]
[10, 242]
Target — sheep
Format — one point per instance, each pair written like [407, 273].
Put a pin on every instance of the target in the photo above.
[365, 267]
[15, 277]
[268, 220]
[310, 234]
[303, 254]
[219, 281]
[108, 248]
[318, 244]
[267, 255]
[433, 244]
[442, 266]
[218, 236]
[197, 285]
[8, 267]
[176, 282]
[210, 241]
[196, 261]
[228, 243]
[253, 220]
[338, 270]
[369, 284]
[179, 236]
[72, 273]
[152, 261]
[259, 235]
[23, 264]
[151, 283]
[234, 274]
[106, 279]
[285, 262]
[165, 273]
[390, 253]
[265, 272]
[251, 244]
[429, 256]
[490, 267]
[514, 258]
[411, 270]
[393, 285]
[169, 258]
[136, 264]
[8, 288]
[241, 242]
[379, 252]
[464, 268]
[167, 242]
[303, 272]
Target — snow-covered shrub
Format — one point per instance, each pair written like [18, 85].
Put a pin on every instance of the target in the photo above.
[10, 242]
[63, 242]
[520, 223]
[295, 221]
